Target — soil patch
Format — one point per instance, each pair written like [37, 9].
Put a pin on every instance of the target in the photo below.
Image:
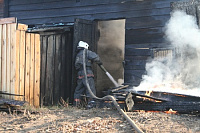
[104, 120]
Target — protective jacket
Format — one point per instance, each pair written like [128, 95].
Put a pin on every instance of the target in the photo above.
[81, 88]
[90, 58]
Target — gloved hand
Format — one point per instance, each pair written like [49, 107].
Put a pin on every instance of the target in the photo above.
[99, 63]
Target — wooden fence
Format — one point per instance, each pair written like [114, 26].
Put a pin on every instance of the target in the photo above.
[20, 63]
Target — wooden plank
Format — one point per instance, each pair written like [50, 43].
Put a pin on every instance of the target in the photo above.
[57, 67]
[136, 57]
[4, 44]
[13, 59]
[32, 69]
[21, 2]
[141, 22]
[31, 5]
[149, 45]
[148, 38]
[144, 31]
[53, 69]
[43, 68]
[8, 20]
[134, 67]
[22, 27]
[22, 64]
[98, 12]
[137, 52]
[63, 65]
[5, 8]
[68, 55]
[17, 81]
[1, 44]
[37, 71]
[8, 58]
[27, 67]
[49, 72]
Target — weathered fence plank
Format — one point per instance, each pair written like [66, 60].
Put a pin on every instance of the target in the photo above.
[27, 68]
[37, 71]
[22, 62]
[8, 59]
[50, 66]
[57, 67]
[63, 66]
[43, 68]
[7, 20]
[4, 58]
[13, 59]
[17, 72]
[32, 69]
[1, 42]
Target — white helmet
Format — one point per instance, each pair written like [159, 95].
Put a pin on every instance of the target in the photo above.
[82, 44]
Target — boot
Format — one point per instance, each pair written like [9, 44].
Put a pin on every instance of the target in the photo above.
[91, 103]
[77, 102]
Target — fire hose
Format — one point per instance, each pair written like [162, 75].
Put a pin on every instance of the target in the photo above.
[131, 122]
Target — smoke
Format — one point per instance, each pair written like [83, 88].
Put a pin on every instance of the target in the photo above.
[111, 50]
[182, 30]
[180, 73]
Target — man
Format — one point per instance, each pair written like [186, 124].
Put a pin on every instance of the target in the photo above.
[81, 88]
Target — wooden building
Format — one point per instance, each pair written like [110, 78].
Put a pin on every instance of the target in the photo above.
[122, 32]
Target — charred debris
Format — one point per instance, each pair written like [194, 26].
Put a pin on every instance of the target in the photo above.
[132, 100]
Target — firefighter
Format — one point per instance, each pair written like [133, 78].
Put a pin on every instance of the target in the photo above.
[81, 87]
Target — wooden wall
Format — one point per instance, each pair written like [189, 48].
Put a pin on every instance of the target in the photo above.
[1, 8]
[56, 55]
[64, 11]
[20, 63]
[143, 29]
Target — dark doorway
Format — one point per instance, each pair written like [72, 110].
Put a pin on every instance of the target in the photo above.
[110, 48]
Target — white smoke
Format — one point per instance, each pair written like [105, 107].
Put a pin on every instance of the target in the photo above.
[182, 30]
[180, 74]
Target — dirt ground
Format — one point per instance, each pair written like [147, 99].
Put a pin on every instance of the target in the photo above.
[104, 120]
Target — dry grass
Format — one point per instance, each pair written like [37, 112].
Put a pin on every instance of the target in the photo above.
[72, 119]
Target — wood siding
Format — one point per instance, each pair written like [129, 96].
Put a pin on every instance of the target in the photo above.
[20, 63]
[65, 11]
[143, 29]
[1, 8]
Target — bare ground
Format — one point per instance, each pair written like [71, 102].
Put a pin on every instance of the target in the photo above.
[104, 120]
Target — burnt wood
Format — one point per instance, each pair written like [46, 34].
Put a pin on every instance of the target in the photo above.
[56, 51]
[179, 106]
[172, 96]
[177, 102]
